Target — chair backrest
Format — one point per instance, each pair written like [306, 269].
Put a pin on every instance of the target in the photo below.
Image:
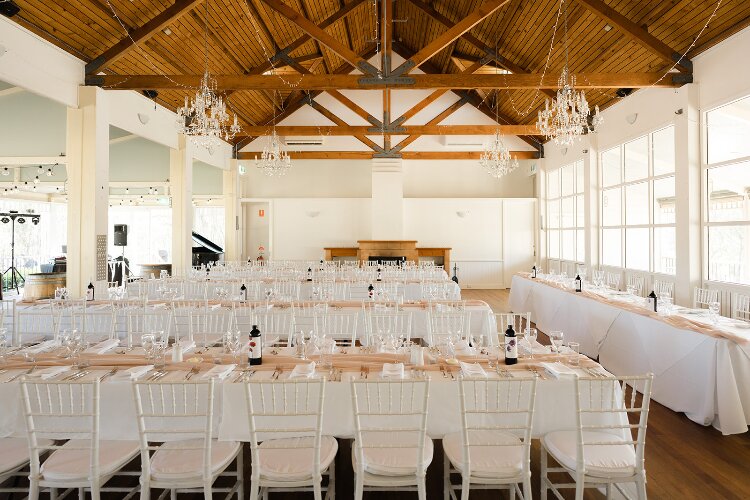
[520, 322]
[95, 323]
[613, 406]
[340, 326]
[57, 410]
[194, 290]
[390, 415]
[492, 408]
[36, 321]
[286, 290]
[286, 408]
[443, 325]
[434, 290]
[358, 291]
[613, 280]
[663, 288]
[7, 316]
[175, 411]
[244, 316]
[209, 326]
[702, 297]
[277, 323]
[148, 320]
[636, 281]
[391, 324]
[741, 307]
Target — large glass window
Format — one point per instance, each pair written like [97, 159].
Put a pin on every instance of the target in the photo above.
[149, 234]
[565, 213]
[727, 195]
[637, 204]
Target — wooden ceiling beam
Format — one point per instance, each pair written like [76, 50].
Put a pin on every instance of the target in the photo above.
[455, 31]
[264, 28]
[321, 36]
[434, 123]
[140, 35]
[341, 123]
[429, 129]
[418, 81]
[406, 155]
[638, 34]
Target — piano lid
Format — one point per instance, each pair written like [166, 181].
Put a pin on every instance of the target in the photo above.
[203, 244]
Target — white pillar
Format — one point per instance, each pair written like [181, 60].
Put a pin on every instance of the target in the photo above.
[87, 150]
[232, 195]
[387, 199]
[688, 195]
[181, 189]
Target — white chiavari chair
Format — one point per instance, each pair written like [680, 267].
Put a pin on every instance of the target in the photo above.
[434, 290]
[35, 323]
[663, 288]
[95, 324]
[391, 449]
[7, 316]
[608, 446]
[181, 416]
[304, 315]
[702, 297]
[493, 448]
[148, 320]
[520, 322]
[286, 290]
[396, 324]
[741, 307]
[442, 326]
[58, 410]
[208, 326]
[613, 280]
[359, 292]
[340, 326]
[244, 316]
[195, 290]
[289, 452]
[276, 325]
[636, 282]
[390, 290]
[14, 458]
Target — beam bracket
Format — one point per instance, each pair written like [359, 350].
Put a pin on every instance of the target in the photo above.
[387, 128]
[683, 61]
[682, 78]
[390, 81]
[367, 68]
[391, 153]
[405, 67]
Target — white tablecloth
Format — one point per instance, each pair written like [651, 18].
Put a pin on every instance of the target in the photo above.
[707, 378]
[412, 290]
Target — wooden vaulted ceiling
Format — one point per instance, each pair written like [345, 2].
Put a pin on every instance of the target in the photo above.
[605, 37]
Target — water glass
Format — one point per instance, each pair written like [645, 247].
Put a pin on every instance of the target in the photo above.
[3, 344]
[147, 342]
[556, 337]
[326, 353]
[714, 308]
[159, 353]
[573, 355]
[531, 336]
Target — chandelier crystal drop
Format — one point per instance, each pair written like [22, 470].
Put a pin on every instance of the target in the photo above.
[204, 118]
[274, 161]
[496, 158]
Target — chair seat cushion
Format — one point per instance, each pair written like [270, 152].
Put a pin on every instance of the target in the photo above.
[487, 461]
[184, 459]
[14, 453]
[391, 461]
[291, 459]
[73, 460]
[615, 460]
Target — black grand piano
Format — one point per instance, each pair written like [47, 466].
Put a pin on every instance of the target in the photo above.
[205, 250]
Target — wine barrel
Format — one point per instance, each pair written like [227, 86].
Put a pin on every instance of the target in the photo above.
[145, 270]
[42, 285]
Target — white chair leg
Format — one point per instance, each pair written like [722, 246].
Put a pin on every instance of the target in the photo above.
[208, 492]
[331, 494]
[33, 490]
[579, 486]
[145, 490]
[240, 476]
[95, 492]
[641, 488]
[446, 478]
[609, 491]
[359, 487]
[254, 488]
[527, 488]
[172, 494]
[265, 493]
[465, 487]
[543, 474]
[317, 492]
[421, 488]
[81, 494]
[53, 494]
[512, 492]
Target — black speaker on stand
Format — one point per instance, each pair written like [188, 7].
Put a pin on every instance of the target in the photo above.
[120, 273]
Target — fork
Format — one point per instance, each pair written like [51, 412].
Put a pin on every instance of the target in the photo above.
[192, 372]
[77, 375]
[109, 374]
[276, 373]
[14, 377]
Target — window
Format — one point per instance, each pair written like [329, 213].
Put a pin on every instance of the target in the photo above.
[565, 213]
[149, 234]
[209, 223]
[637, 204]
[727, 193]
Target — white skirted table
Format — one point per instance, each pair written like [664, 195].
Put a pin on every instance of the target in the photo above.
[700, 369]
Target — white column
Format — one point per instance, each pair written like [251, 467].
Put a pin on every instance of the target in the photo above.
[232, 195]
[591, 195]
[181, 189]
[387, 199]
[87, 150]
[688, 195]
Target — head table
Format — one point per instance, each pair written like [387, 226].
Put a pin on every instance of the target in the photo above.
[555, 398]
[700, 368]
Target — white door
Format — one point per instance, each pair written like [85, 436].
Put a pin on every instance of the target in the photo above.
[519, 236]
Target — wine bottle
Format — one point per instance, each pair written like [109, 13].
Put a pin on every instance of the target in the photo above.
[380, 275]
[652, 300]
[90, 291]
[255, 350]
[511, 346]
[579, 283]
[243, 293]
[455, 274]
[371, 291]
[309, 274]
[533, 271]
[322, 267]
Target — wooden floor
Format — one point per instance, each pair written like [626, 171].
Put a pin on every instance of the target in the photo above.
[684, 460]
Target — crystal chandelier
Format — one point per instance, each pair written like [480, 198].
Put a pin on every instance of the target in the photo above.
[274, 161]
[567, 117]
[496, 158]
[204, 118]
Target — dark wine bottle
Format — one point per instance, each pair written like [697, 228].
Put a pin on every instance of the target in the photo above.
[309, 274]
[90, 291]
[579, 283]
[371, 291]
[533, 271]
[243, 293]
[652, 300]
[380, 275]
[322, 267]
[255, 350]
[511, 346]
[455, 274]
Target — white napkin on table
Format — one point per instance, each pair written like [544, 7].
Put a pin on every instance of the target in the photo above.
[51, 372]
[219, 372]
[102, 347]
[463, 347]
[215, 307]
[472, 370]
[187, 346]
[303, 370]
[47, 345]
[557, 369]
[133, 373]
[393, 370]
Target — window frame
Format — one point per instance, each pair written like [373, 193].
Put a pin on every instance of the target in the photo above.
[578, 191]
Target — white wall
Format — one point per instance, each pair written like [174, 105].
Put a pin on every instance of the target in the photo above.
[311, 179]
[464, 179]
[31, 125]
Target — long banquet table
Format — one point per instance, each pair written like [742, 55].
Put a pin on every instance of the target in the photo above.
[699, 369]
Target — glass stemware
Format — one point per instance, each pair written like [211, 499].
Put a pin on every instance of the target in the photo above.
[556, 337]
[714, 308]
[531, 336]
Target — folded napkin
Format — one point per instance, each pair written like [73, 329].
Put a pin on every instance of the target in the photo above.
[463, 347]
[472, 370]
[557, 369]
[161, 305]
[133, 373]
[219, 371]
[536, 348]
[187, 346]
[51, 372]
[215, 307]
[102, 347]
[393, 370]
[303, 370]
[45, 346]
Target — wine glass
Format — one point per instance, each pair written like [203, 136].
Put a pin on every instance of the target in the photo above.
[713, 309]
[235, 345]
[3, 344]
[147, 342]
[556, 337]
[531, 336]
